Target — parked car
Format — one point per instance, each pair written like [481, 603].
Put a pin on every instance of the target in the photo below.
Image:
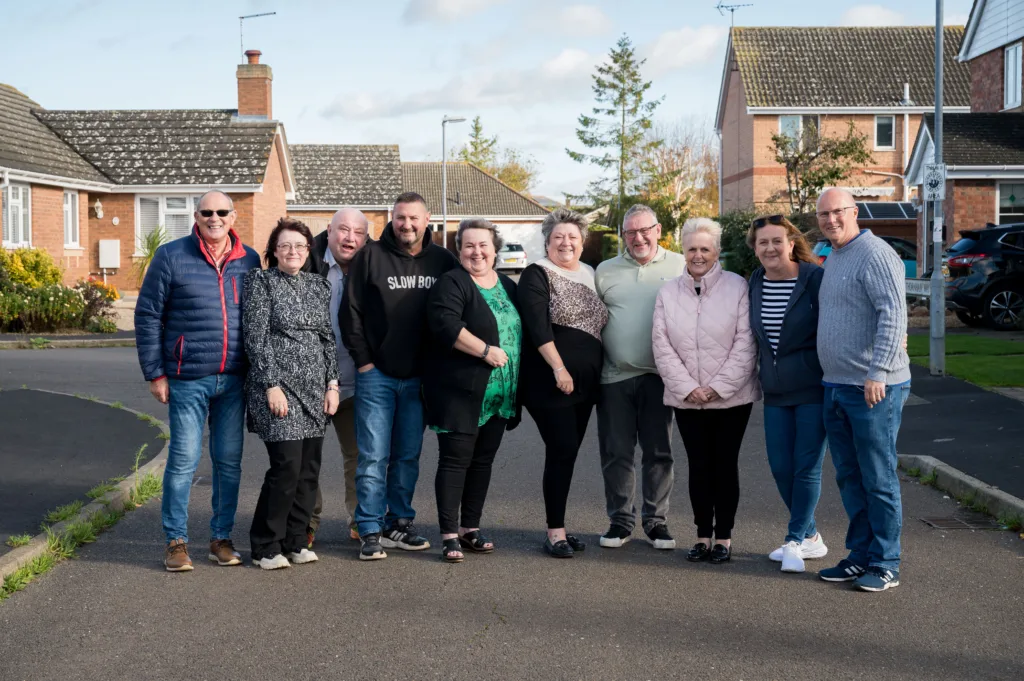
[512, 256]
[907, 251]
[985, 276]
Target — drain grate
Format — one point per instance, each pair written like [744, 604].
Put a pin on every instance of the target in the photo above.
[964, 521]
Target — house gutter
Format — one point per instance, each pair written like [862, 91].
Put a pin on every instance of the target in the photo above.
[54, 180]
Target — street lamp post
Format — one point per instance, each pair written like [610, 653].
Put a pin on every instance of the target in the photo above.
[444, 173]
[937, 330]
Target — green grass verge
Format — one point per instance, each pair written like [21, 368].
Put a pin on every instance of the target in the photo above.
[16, 540]
[959, 344]
[983, 370]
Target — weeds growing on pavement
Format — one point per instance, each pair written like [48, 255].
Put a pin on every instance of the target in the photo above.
[931, 479]
[20, 578]
[60, 545]
[117, 405]
[166, 437]
[914, 472]
[146, 486]
[38, 343]
[16, 540]
[101, 490]
[1012, 522]
[151, 420]
[62, 513]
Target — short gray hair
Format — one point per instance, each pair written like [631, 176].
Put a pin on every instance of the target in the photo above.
[706, 225]
[215, 191]
[561, 216]
[479, 223]
[638, 209]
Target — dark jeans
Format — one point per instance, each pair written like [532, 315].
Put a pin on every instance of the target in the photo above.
[795, 441]
[630, 412]
[562, 431]
[287, 497]
[464, 473]
[712, 438]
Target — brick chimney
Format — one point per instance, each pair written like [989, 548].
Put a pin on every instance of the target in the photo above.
[254, 80]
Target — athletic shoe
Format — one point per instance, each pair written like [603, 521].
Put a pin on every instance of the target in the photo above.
[660, 537]
[792, 561]
[176, 557]
[402, 535]
[275, 562]
[878, 579]
[222, 552]
[616, 536]
[371, 549]
[302, 556]
[846, 571]
[809, 549]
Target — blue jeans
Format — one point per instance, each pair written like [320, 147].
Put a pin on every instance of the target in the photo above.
[389, 434]
[863, 444]
[219, 399]
[795, 440]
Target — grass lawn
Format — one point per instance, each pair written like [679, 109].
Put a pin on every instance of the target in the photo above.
[982, 361]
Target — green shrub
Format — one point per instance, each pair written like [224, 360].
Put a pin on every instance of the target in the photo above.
[30, 266]
[101, 325]
[98, 299]
[47, 308]
[737, 256]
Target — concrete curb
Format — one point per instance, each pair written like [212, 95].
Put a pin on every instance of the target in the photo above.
[16, 558]
[71, 343]
[949, 479]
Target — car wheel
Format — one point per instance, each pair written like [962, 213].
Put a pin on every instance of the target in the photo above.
[970, 319]
[1004, 309]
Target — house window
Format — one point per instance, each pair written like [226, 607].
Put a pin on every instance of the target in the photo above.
[71, 219]
[802, 129]
[885, 132]
[17, 216]
[1011, 202]
[173, 213]
[1012, 76]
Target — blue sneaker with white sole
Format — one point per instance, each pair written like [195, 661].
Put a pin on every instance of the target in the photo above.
[846, 571]
[878, 579]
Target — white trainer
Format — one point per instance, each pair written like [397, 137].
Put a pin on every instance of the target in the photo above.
[813, 548]
[275, 562]
[302, 556]
[792, 561]
[776, 555]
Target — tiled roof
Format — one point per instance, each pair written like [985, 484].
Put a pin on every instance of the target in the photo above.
[184, 146]
[471, 191]
[848, 66]
[981, 139]
[346, 174]
[26, 144]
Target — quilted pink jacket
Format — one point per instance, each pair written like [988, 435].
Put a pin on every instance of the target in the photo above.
[705, 341]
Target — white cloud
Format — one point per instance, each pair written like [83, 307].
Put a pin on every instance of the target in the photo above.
[444, 11]
[872, 15]
[581, 20]
[683, 47]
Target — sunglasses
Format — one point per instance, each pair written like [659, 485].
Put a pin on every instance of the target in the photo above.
[768, 220]
[207, 213]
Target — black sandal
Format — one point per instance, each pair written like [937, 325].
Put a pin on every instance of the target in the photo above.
[450, 547]
[476, 542]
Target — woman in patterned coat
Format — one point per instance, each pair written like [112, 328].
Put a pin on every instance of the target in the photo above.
[291, 390]
[562, 357]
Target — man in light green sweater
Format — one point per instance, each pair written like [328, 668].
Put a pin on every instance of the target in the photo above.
[631, 408]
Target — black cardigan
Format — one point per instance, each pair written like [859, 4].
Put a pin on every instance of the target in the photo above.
[454, 382]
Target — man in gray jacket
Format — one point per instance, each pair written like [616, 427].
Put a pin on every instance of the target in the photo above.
[861, 325]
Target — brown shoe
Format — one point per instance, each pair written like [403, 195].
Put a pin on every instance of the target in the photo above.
[176, 557]
[222, 552]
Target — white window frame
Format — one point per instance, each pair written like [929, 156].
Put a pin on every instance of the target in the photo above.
[72, 233]
[800, 132]
[892, 146]
[1013, 64]
[999, 200]
[192, 201]
[8, 208]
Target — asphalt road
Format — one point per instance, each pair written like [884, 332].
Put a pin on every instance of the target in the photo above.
[631, 613]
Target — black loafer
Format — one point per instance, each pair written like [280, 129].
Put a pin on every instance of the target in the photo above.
[560, 549]
[720, 554]
[698, 553]
[575, 543]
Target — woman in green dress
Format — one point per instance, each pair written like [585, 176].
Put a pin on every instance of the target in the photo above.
[470, 384]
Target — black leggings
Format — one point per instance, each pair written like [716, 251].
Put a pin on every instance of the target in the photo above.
[464, 473]
[286, 498]
[562, 430]
[712, 438]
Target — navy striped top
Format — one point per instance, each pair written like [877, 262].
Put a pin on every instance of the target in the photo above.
[774, 300]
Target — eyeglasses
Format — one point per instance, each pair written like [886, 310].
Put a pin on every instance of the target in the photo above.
[223, 212]
[837, 213]
[298, 248]
[643, 231]
[760, 222]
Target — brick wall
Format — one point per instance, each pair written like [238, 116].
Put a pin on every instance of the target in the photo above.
[122, 207]
[987, 82]
[973, 205]
[269, 206]
[737, 146]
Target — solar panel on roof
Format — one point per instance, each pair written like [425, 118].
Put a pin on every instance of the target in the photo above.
[862, 209]
[908, 209]
[886, 210]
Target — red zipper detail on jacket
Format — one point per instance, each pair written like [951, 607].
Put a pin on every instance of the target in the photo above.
[181, 352]
[234, 287]
[224, 318]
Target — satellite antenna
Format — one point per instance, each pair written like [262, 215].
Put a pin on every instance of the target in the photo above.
[241, 45]
[731, 9]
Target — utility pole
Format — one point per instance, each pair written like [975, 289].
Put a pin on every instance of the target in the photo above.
[937, 344]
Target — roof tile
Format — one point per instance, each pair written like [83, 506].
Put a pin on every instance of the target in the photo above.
[346, 174]
[471, 191]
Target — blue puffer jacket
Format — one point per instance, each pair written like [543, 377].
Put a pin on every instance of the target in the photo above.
[188, 319]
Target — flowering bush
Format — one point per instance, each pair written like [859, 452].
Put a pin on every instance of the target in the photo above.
[98, 299]
[30, 266]
[46, 308]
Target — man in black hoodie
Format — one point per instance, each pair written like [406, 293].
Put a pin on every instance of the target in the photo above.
[383, 324]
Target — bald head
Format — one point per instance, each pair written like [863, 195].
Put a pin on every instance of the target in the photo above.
[221, 197]
[837, 216]
[347, 234]
[215, 226]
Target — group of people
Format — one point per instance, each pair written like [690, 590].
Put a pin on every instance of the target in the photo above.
[386, 338]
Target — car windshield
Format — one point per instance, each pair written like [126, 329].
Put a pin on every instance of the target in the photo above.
[962, 245]
[512, 248]
[821, 246]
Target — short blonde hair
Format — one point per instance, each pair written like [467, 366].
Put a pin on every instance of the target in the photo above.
[706, 225]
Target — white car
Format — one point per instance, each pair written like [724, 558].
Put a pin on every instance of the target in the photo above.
[512, 256]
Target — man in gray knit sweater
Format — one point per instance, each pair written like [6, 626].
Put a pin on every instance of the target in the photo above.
[861, 325]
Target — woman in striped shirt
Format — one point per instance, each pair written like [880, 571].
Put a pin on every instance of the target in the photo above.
[784, 319]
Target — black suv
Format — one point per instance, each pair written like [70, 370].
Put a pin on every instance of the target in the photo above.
[985, 276]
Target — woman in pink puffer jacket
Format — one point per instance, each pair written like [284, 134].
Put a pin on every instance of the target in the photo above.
[706, 355]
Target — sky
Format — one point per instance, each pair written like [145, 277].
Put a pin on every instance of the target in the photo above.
[386, 72]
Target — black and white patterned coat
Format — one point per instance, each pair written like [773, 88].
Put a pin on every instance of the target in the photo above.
[290, 344]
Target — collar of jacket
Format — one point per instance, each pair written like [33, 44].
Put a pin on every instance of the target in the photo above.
[389, 241]
[707, 282]
[804, 272]
[237, 249]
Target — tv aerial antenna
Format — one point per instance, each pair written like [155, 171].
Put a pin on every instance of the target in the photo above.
[241, 43]
[731, 9]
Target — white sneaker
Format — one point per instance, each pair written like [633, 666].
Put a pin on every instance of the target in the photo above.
[792, 561]
[303, 556]
[809, 549]
[275, 562]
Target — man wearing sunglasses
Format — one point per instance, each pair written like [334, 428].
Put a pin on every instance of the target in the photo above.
[862, 321]
[631, 408]
[188, 333]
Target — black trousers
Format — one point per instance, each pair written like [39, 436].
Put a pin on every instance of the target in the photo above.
[464, 474]
[286, 498]
[712, 438]
[562, 430]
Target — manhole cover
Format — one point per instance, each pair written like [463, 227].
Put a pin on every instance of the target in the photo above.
[965, 521]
